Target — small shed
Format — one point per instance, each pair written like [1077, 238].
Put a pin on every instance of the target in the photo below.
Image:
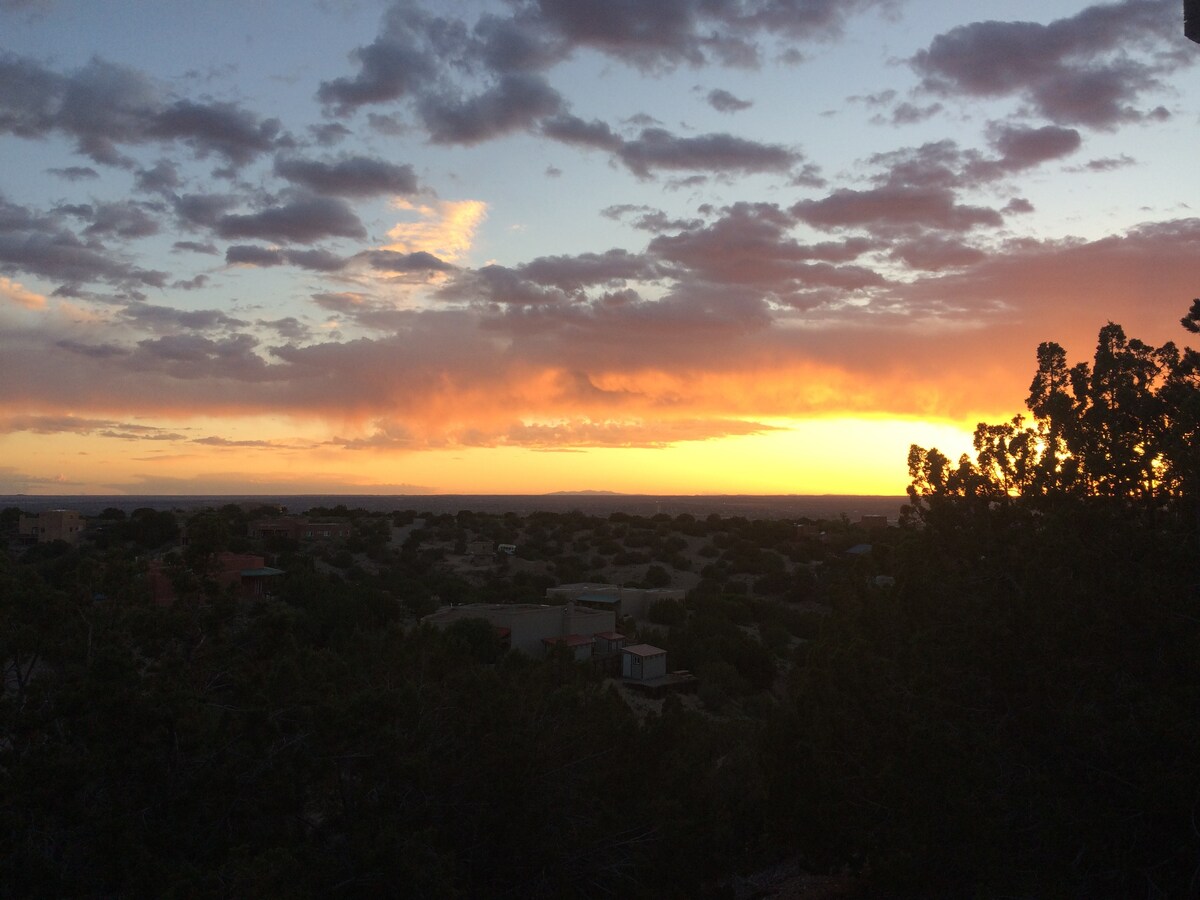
[642, 662]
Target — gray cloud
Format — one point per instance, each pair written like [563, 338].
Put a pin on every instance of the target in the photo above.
[1076, 70]
[894, 207]
[265, 257]
[656, 149]
[723, 101]
[514, 102]
[392, 261]
[302, 220]
[350, 176]
[75, 173]
[104, 105]
[41, 245]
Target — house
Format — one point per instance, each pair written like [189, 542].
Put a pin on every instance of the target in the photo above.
[529, 625]
[643, 662]
[246, 575]
[622, 601]
[1191, 20]
[50, 525]
[297, 528]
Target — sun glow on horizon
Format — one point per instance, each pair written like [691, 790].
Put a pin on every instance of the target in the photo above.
[812, 456]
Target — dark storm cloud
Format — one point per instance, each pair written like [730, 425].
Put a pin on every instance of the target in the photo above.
[104, 105]
[656, 149]
[1076, 70]
[303, 220]
[723, 101]
[515, 102]
[350, 176]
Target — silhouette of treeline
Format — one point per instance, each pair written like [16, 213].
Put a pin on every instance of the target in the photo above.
[1014, 710]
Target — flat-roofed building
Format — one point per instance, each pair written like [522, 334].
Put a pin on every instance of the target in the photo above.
[622, 601]
[529, 624]
[51, 525]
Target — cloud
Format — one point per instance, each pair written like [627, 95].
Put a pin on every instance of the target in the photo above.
[265, 257]
[391, 261]
[68, 424]
[723, 101]
[350, 176]
[514, 103]
[302, 220]
[892, 208]
[195, 247]
[16, 293]
[39, 244]
[1080, 70]
[168, 319]
[750, 244]
[75, 173]
[220, 128]
[103, 106]
[446, 228]
[398, 62]
[655, 149]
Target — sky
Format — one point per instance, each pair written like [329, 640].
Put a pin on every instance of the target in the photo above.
[523, 246]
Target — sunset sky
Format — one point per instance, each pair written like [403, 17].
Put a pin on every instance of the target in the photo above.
[515, 246]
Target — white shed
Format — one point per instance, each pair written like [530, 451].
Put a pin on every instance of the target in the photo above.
[643, 662]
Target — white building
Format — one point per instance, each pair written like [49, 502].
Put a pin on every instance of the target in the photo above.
[528, 625]
[643, 662]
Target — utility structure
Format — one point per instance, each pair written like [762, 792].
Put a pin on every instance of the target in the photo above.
[1191, 20]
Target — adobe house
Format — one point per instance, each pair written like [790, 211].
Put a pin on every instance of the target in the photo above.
[50, 525]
